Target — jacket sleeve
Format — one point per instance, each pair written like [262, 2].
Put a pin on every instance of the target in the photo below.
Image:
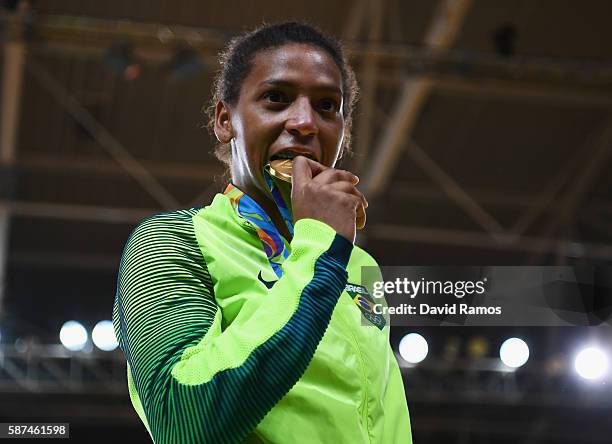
[196, 381]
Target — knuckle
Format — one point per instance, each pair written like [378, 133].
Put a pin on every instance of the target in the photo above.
[350, 201]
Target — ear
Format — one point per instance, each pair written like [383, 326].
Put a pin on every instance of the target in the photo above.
[223, 123]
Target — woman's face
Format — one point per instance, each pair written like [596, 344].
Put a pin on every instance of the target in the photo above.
[291, 100]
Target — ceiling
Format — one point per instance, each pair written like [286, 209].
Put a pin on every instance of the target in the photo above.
[514, 145]
[474, 148]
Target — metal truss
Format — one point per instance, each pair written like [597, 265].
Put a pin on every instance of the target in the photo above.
[488, 380]
[417, 71]
[36, 368]
[10, 101]
[443, 30]
[414, 70]
[481, 400]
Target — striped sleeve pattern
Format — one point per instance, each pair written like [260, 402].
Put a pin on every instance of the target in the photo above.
[165, 304]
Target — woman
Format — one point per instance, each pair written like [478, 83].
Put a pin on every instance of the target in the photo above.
[238, 320]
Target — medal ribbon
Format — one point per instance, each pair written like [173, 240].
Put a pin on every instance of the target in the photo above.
[275, 247]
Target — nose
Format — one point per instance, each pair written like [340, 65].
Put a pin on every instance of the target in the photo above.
[301, 120]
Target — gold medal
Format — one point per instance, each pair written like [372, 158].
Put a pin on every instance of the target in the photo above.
[361, 218]
[282, 168]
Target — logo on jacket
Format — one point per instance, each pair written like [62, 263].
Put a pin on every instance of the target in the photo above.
[364, 301]
[268, 284]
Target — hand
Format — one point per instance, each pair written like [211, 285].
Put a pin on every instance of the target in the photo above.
[325, 194]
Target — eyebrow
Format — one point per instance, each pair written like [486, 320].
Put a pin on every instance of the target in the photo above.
[290, 84]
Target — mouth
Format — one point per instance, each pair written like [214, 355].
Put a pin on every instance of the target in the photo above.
[292, 153]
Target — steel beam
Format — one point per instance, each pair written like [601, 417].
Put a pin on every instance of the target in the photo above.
[519, 90]
[454, 191]
[377, 231]
[203, 174]
[114, 215]
[200, 172]
[12, 78]
[368, 84]
[424, 192]
[102, 135]
[93, 36]
[403, 120]
[443, 30]
[594, 165]
[4, 244]
[475, 239]
[355, 20]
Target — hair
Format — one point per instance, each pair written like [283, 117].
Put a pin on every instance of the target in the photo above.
[236, 62]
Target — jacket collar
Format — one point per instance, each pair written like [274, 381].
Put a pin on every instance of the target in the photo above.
[275, 246]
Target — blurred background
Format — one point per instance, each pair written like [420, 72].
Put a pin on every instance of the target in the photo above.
[482, 137]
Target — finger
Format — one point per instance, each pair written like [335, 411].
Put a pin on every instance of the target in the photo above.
[305, 169]
[346, 187]
[331, 175]
[300, 171]
[350, 188]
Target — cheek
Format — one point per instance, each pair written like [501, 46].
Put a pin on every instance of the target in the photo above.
[267, 133]
[259, 125]
[257, 144]
[334, 136]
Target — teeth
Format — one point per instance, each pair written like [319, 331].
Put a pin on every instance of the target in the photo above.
[289, 155]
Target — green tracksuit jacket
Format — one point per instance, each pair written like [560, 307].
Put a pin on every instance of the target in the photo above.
[231, 334]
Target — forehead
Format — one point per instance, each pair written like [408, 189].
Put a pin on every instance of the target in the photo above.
[298, 63]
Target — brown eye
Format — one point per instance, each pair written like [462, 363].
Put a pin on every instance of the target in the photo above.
[328, 105]
[275, 97]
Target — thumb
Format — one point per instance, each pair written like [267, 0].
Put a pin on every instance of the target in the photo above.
[304, 169]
